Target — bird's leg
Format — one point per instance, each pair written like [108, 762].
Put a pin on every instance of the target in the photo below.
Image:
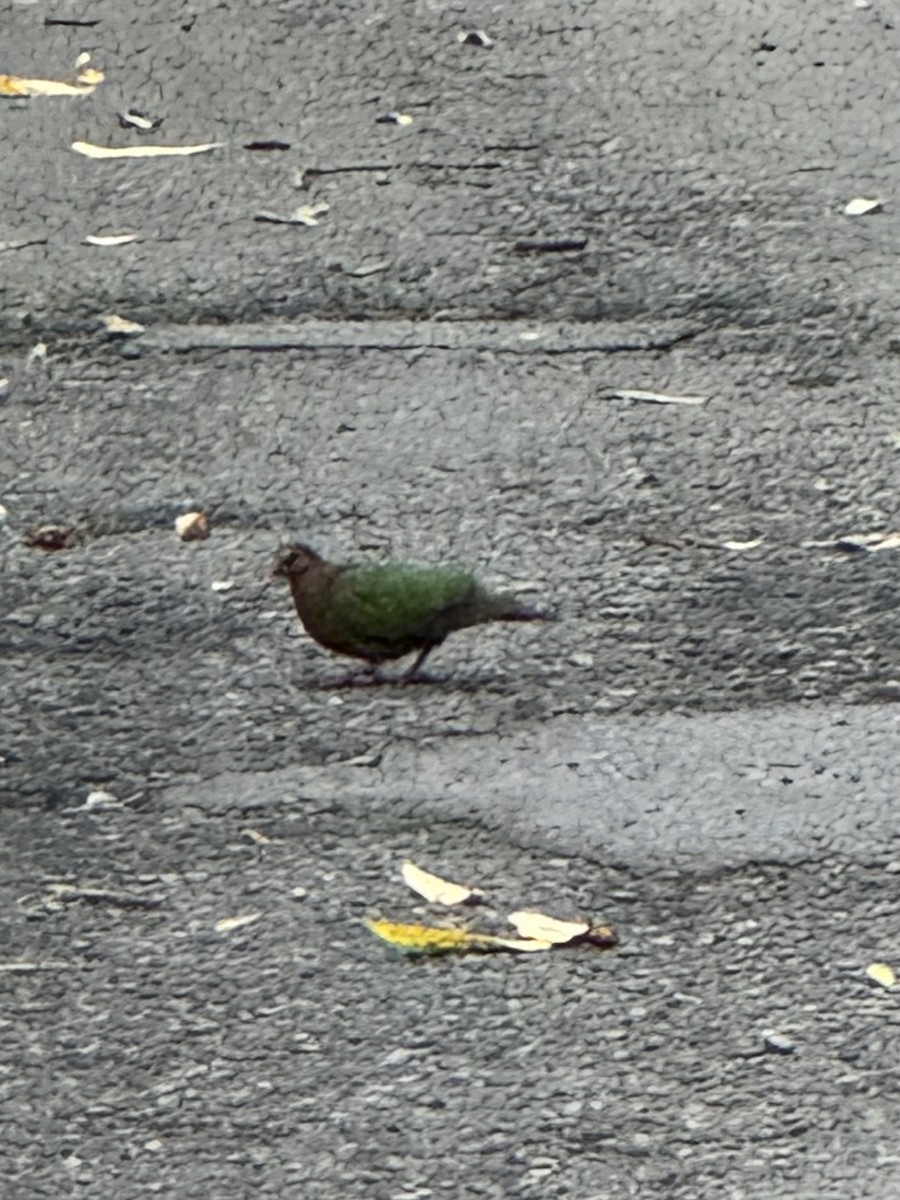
[411, 675]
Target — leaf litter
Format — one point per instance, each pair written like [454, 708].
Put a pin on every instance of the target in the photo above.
[536, 931]
[83, 84]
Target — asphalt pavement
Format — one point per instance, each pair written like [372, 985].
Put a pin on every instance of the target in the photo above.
[575, 301]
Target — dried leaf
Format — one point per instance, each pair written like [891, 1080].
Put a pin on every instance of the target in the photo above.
[474, 37]
[267, 144]
[870, 542]
[539, 926]
[603, 936]
[22, 243]
[881, 974]
[52, 537]
[394, 118]
[658, 397]
[255, 836]
[91, 151]
[132, 118]
[420, 939]
[306, 214]
[860, 206]
[85, 83]
[368, 269]
[437, 890]
[428, 939]
[553, 246]
[192, 527]
[110, 239]
[116, 324]
[520, 945]
[101, 799]
[37, 356]
[226, 924]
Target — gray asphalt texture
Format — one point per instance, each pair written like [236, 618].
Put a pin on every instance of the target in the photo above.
[701, 751]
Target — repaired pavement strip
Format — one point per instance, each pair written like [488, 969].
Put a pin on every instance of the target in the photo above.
[705, 790]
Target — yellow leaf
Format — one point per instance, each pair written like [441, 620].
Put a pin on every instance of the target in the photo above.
[881, 974]
[434, 889]
[421, 939]
[12, 85]
[427, 939]
[549, 929]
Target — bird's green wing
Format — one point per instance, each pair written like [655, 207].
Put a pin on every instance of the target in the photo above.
[393, 604]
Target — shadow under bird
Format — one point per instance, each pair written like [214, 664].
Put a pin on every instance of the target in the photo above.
[382, 611]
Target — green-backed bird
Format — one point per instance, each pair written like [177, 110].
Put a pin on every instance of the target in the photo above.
[382, 611]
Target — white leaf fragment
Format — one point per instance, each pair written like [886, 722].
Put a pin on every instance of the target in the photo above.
[538, 925]
[306, 214]
[523, 945]
[435, 889]
[113, 323]
[368, 269]
[91, 151]
[226, 924]
[137, 120]
[751, 545]
[394, 118]
[870, 542]
[99, 798]
[37, 355]
[222, 585]
[658, 397]
[110, 239]
[474, 37]
[859, 206]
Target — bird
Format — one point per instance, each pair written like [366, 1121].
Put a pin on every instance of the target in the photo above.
[383, 611]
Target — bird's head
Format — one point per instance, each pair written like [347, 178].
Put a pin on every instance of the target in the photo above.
[293, 560]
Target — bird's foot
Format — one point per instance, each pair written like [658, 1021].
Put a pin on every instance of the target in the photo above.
[420, 677]
[367, 677]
